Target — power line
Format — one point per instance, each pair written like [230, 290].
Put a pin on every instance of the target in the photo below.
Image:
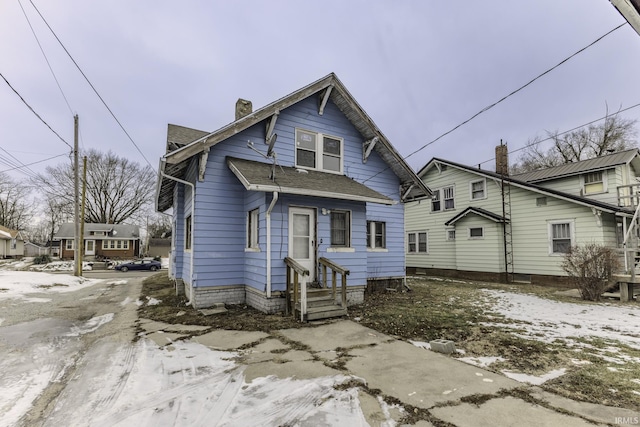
[14, 161]
[488, 107]
[34, 112]
[35, 163]
[565, 132]
[45, 57]
[91, 85]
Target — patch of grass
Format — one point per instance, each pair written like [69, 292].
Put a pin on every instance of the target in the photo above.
[59, 285]
[595, 383]
[173, 309]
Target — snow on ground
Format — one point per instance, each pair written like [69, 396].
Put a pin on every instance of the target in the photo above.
[19, 284]
[547, 320]
[48, 348]
[189, 384]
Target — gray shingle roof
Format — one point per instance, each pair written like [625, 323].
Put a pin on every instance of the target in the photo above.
[255, 176]
[116, 231]
[177, 159]
[606, 207]
[590, 165]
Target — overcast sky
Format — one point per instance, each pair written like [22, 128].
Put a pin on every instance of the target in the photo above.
[418, 68]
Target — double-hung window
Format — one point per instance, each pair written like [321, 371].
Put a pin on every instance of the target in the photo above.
[447, 195]
[70, 244]
[319, 151]
[435, 201]
[561, 237]
[477, 189]
[417, 242]
[376, 235]
[252, 229]
[443, 195]
[340, 229]
[594, 182]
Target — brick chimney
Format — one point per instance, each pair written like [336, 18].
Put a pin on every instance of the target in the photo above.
[243, 108]
[502, 159]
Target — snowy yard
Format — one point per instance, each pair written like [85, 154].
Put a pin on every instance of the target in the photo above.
[187, 383]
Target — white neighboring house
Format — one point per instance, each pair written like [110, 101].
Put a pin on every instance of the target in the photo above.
[11, 243]
[31, 249]
[483, 225]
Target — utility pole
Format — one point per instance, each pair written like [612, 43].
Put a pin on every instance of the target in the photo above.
[76, 171]
[84, 193]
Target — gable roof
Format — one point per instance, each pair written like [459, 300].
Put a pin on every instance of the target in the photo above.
[174, 163]
[584, 166]
[477, 211]
[605, 207]
[255, 176]
[8, 234]
[115, 231]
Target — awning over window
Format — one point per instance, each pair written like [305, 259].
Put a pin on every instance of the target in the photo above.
[256, 176]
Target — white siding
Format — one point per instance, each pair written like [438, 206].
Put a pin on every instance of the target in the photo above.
[529, 228]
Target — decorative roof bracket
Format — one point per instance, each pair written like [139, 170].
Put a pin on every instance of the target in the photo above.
[367, 148]
[202, 167]
[270, 126]
[324, 98]
[406, 193]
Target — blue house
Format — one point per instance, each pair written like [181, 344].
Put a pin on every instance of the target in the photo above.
[301, 191]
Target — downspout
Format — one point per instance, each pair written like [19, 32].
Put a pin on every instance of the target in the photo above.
[271, 206]
[193, 212]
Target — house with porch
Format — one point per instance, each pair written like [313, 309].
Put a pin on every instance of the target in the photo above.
[11, 243]
[491, 226]
[101, 241]
[285, 199]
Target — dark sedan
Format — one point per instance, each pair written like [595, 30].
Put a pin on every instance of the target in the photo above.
[140, 265]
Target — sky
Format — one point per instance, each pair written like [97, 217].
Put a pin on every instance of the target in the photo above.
[418, 68]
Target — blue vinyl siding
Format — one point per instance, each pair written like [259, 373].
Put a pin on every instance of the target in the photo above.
[222, 205]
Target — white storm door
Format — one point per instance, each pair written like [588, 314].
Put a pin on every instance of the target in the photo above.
[90, 247]
[302, 226]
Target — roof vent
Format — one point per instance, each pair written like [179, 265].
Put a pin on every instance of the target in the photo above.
[243, 108]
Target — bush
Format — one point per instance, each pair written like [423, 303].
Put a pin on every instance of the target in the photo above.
[42, 259]
[591, 268]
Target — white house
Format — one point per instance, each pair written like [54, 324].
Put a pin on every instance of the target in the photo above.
[485, 225]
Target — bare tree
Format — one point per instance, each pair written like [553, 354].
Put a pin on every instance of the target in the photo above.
[117, 189]
[613, 135]
[15, 207]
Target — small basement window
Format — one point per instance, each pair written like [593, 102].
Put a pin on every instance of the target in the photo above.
[476, 233]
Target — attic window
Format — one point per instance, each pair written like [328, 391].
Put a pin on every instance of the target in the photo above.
[318, 151]
[594, 183]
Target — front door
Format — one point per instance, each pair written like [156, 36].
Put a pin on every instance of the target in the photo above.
[302, 236]
[90, 247]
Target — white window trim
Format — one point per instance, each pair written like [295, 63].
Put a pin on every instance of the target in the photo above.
[484, 183]
[106, 245]
[444, 200]
[475, 237]
[605, 188]
[572, 230]
[417, 234]
[446, 234]
[73, 245]
[253, 221]
[371, 225]
[319, 151]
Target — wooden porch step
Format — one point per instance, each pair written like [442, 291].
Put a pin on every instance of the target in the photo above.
[322, 307]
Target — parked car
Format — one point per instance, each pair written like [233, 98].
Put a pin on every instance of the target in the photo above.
[145, 264]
